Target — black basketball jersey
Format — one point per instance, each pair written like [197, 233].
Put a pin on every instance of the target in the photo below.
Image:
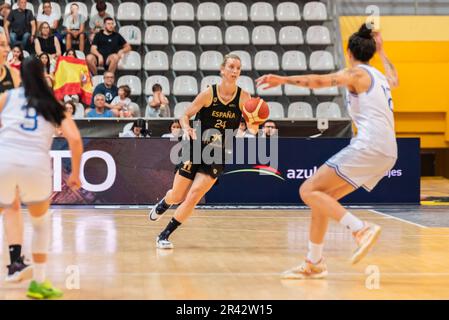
[6, 83]
[220, 116]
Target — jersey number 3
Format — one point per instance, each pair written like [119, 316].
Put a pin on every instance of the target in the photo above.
[30, 123]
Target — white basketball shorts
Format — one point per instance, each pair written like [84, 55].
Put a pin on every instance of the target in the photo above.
[361, 167]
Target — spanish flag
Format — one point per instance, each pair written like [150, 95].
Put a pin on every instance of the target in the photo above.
[72, 77]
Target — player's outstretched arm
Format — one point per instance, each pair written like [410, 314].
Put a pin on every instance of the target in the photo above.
[203, 99]
[390, 71]
[71, 133]
[343, 78]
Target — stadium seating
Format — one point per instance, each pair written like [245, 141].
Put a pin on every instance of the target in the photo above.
[300, 110]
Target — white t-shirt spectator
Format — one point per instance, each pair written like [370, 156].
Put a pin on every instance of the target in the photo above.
[126, 102]
[41, 17]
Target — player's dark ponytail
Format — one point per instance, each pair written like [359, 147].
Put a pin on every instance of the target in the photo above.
[362, 44]
[38, 93]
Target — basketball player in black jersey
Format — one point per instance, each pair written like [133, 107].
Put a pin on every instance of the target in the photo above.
[218, 108]
[13, 220]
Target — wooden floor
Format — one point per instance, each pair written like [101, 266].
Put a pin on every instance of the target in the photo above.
[224, 254]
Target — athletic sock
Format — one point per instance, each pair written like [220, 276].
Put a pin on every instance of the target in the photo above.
[351, 222]
[39, 272]
[164, 204]
[315, 252]
[171, 226]
[15, 251]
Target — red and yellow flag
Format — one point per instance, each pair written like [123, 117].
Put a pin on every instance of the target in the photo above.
[72, 77]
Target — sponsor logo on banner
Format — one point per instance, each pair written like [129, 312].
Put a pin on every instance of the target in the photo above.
[262, 170]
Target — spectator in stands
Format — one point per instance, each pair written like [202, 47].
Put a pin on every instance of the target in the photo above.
[107, 88]
[120, 105]
[158, 105]
[96, 23]
[5, 10]
[17, 57]
[74, 24]
[48, 71]
[108, 47]
[175, 131]
[242, 131]
[70, 107]
[47, 15]
[269, 129]
[100, 110]
[48, 43]
[20, 27]
[71, 53]
[138, 130]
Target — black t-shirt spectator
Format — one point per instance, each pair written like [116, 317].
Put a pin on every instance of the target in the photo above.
[47, 45]
[20, 21]
[109, 93]
[108, 44]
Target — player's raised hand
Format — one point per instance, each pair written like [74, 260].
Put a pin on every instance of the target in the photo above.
[270, 81]
[74, 182]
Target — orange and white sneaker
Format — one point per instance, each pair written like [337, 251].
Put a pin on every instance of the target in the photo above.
[307, 270]
[365, 239]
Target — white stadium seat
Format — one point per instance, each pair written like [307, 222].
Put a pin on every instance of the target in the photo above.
[331, 91]
[129, 11]
[245, 59]
[156, 35]
[180, 108]
[79, 112]
[262, 11]
[163, 81]
[328, 110]
[210, 35]
[135, 109]
[294, 61]
[211, 60]
[96, 80]
[185, 86]
[269, 92]
[321, 60]
[184, 61]
[288, 11]
[182, 11]
[291, 90]
[80, 54]
[246, 83]
[291, 36]
[82, 9]
[29, 7]
[109, 10]
[156, 60]
[318, 35]
[131, 61]
[183, 35]
[133, 82]
[132, 35]
[315, 11]
[266, 60]
[264, 35]
[236, 11]
[55, 9]
[155, 11]
[276, 110]
[208, 81]
[300, 110]
[208, 11]
[237, 35]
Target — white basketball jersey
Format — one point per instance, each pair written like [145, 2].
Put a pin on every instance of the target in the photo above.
[25, 137]
[372, 112]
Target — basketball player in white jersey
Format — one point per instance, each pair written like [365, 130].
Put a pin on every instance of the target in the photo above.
[363, 163]
[29, 116]
[12, 219]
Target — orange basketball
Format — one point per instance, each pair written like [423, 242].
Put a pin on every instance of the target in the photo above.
[256, 111]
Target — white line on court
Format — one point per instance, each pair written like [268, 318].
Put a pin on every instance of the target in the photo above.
[399, 219]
